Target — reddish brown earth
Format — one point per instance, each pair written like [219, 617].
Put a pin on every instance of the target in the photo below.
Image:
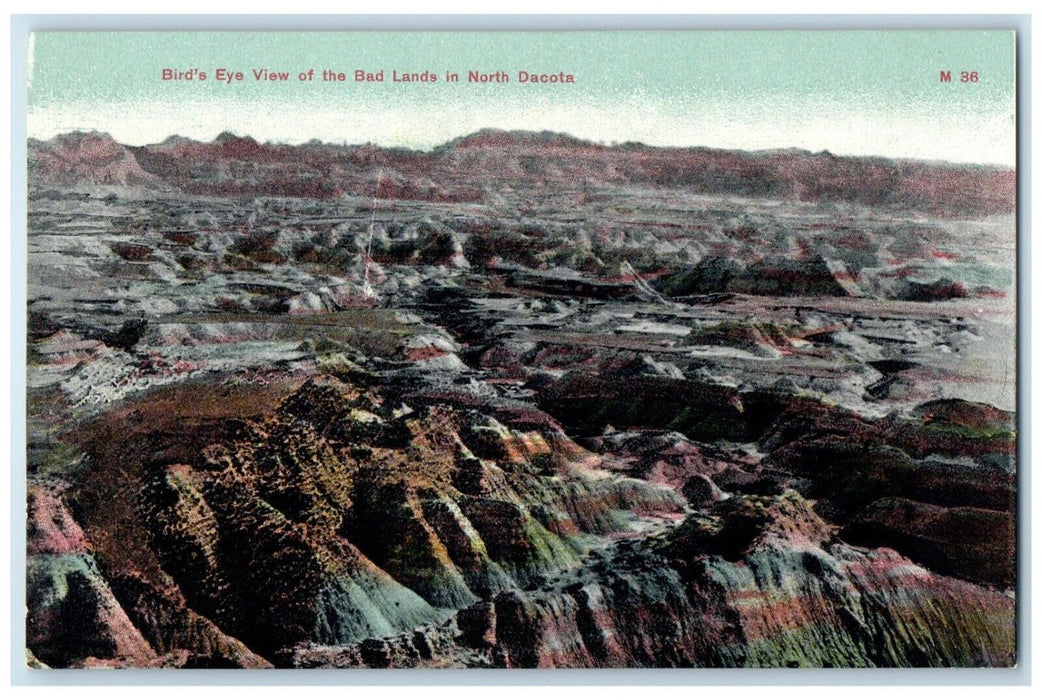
[459, 170]
[238, 533]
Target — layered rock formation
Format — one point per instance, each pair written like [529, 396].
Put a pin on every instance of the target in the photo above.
[540, 403]
[461, 170]
[341, 517]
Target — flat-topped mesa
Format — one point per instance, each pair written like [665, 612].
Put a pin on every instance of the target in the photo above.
[502, 138]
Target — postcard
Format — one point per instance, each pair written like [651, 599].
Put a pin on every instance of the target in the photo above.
[585, 349]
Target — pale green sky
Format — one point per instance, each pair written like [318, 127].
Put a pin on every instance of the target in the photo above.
[857, 93]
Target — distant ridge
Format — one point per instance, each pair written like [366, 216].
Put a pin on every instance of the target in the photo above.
[500, 138]
[467, 167]
[83, 157]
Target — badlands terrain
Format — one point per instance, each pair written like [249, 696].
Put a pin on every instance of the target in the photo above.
[519, 401]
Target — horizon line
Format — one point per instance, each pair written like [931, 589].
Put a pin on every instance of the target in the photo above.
[613, 144]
